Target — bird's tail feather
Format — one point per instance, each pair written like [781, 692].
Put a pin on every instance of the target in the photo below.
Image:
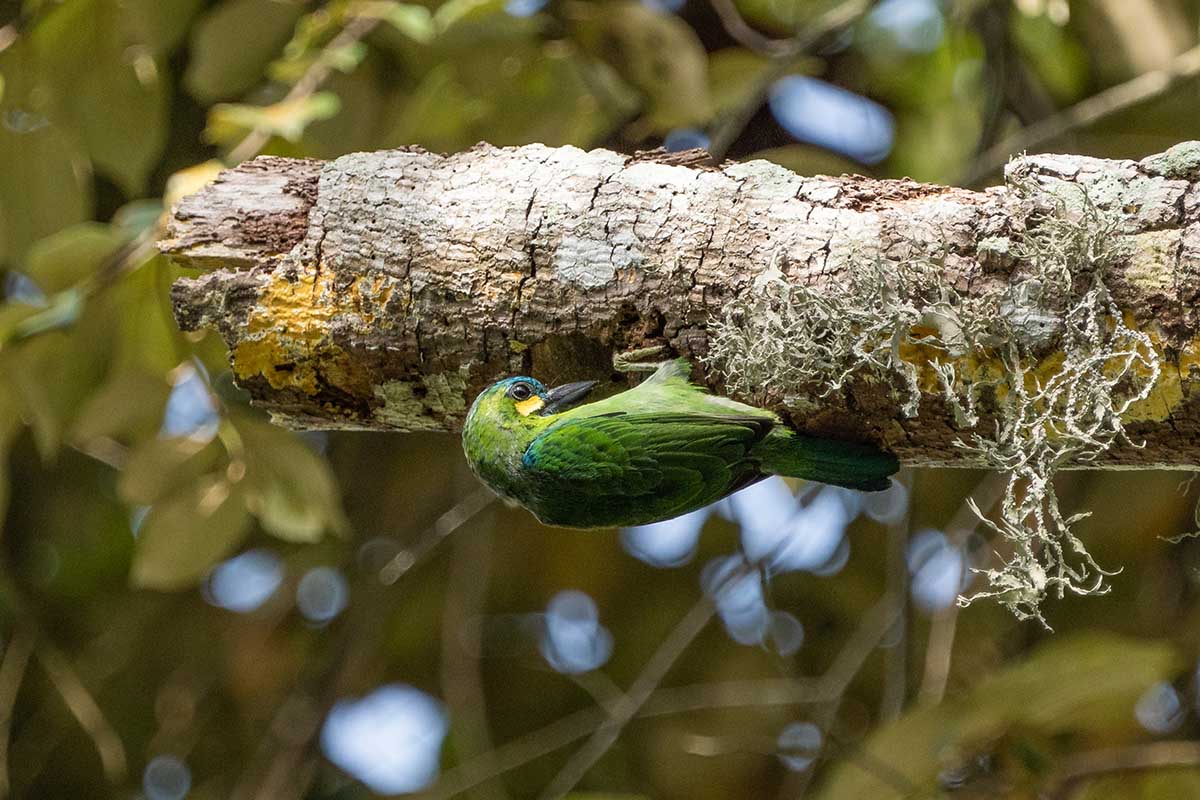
[848, 464]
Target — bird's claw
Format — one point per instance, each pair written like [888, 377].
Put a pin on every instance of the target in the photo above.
[635, 360]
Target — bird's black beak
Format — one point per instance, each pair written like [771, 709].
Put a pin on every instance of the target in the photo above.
[560, 398]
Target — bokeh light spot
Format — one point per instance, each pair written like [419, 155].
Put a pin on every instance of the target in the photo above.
[137, 515]
[685, 139]
[523, 8]
[391, 739]
[672, 6]
[799, 745]
[783, 535]
[938, 569]
[244, 582]
[669, 543]
[889, 506]
[322, 594]
[573, 640]
[828, 116]
[736, 590]
[190, 411]
[20, 288]
[787, 632]
[836, 562]
[914, 25]
[1159, 710]
[19, 120]
[166, 778]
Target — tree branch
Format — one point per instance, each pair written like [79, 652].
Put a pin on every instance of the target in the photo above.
[627, 707]
[1087, 112]
[383, 290]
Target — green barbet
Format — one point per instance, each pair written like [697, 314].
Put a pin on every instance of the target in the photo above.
[661, 449]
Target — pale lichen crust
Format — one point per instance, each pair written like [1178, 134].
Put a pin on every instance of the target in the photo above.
[1062, 367]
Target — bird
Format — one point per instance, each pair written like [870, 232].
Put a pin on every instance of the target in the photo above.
[644, 455]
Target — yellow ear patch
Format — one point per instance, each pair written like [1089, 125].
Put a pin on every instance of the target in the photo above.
[533, 404]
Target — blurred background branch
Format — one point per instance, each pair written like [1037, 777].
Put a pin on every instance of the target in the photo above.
[787, 56]
[1116, 99]
[624, 709]
[1081, 768]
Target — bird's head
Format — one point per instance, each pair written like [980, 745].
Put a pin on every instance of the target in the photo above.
[521, 399]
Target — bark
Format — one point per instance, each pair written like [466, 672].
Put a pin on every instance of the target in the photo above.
[383, 290]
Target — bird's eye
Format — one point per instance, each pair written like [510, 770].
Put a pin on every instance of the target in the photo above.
[520, 391]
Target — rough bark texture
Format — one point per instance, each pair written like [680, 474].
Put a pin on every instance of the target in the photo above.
[383, 290]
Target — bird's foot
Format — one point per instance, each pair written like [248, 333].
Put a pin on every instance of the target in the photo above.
[635, 360]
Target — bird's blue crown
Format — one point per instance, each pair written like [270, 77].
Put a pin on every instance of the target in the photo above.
[538, 387]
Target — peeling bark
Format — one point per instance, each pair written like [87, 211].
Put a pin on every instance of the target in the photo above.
[383, 290]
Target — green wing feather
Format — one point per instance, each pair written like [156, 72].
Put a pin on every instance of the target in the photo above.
[656, 465]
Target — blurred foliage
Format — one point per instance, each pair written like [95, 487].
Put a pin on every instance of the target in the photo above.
[130, 466]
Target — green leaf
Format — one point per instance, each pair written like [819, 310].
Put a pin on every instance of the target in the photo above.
[233, 44]
[1054, 54]
[311, 42]
[183, 536]
[62, 311]
[32, 399]
[938, 100]
[229, 122]
[1089, 682]
[136, 217]
[550, 94]
[12, 316]
[441, 114]
[147, 337]
[733, 73]
[655, 51]
[291, 489]
[783, 18]
[53, 373]
[454, 12]
[157, 468]
[356, 126]
[45, 178]
[806, 160]
[160, 24]
[61, 264]
[109, 89]
[128, 404]
[286, 515]
[412, 20]
[71, 256]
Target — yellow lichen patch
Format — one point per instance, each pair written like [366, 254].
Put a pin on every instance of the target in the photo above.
[1171, 388]
[1152, 260]
[1163, 398]
[266, 356]
[971, 368]
[288, 339]
[1168, 393]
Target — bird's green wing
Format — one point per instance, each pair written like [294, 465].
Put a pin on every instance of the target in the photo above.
[685, 459]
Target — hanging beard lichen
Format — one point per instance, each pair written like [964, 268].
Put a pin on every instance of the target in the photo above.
[1054, 355]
